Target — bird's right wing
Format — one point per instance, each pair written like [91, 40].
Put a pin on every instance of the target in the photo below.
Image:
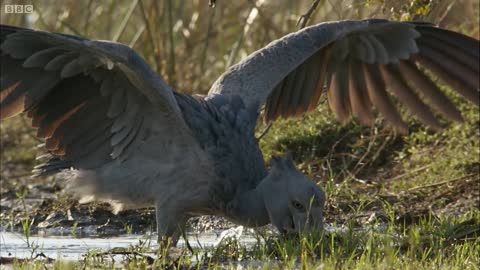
[92, 101]
[356, 62]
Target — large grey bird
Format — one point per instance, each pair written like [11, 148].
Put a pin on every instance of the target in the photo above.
[122, 135]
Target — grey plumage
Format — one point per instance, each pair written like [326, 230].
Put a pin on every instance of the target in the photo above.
[120, 134]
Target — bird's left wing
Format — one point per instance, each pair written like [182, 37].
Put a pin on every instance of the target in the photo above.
[357, 61]
[94, 102]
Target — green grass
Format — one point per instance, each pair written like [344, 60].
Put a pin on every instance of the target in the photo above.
[432, 243]
[331, 152]
[17, 140]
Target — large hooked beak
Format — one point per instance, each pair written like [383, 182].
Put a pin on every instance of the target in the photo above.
[310, 222]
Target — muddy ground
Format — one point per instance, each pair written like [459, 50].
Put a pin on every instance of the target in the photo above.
[49, 209]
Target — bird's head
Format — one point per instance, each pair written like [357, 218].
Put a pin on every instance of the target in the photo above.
[294, 203]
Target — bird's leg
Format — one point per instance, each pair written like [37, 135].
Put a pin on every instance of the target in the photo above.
[184, 235]
[169, 223]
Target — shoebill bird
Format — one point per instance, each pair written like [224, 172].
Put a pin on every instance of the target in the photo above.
[121, 135]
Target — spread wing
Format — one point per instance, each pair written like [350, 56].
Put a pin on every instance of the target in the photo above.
[356, 62]
[93, 102]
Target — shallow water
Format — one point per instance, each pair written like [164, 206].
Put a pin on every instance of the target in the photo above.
[61, 244]
[73, 248]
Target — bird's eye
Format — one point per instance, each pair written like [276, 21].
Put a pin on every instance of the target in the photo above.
[297, 205]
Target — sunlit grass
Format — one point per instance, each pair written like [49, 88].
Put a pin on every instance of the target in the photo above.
[18, 141]
[331, 152]
[432, 243]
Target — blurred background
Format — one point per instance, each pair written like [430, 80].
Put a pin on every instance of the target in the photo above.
[190, 44]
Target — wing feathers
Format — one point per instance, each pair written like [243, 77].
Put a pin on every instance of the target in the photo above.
[314, 65]
[443, 72]
[452, 52]
[107, 87]
[58, 62]
[41, 58]
[29, 47]
[449, 64]
[46, 129]
[431, 92]
[97, 151]
[397, 84]
[128, 115]
[285, 96]
[118, 102]
[357, 66]
[87, 136]
[71, 69]
[12, 100]
[76, 90]
[272, 103]
[22, 89]
[61, 102]
[379, 98]
[365, 50]
[338, 93]
[380, 54]
[299, 86]
[68, 129]
[13, 107]
[8, 90]
[300, 90]
[324, 77]
[120, 147]
[457, 40]
[359, 100]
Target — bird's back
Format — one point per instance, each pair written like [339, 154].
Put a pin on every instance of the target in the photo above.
[224, 129]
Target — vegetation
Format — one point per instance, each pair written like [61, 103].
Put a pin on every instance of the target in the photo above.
[396, 202]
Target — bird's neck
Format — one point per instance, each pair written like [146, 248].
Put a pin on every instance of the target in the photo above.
[249, 209]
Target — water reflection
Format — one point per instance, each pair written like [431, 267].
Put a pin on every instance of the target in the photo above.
[73, 248]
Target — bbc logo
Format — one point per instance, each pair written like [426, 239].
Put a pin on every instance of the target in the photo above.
[19, 9]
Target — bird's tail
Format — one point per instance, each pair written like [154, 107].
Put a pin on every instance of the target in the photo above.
[54, 165]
